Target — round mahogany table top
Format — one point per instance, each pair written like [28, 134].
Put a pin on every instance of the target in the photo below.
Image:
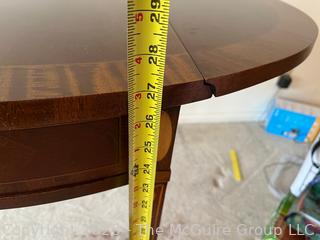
[65, 61]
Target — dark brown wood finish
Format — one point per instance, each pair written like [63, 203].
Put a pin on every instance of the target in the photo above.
[56, 163]
[159, 193]
[237, 44]
[65, 61]
[63, 90]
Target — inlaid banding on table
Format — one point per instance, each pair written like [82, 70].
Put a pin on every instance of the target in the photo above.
[17, 84]
[43, 82]
[104, 74]
[83, 59]
[5, 80]
[179, 68]
[67, 80]
[73, 84]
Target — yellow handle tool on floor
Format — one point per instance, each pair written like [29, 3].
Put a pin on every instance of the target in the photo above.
[237, 175]
[148, 22]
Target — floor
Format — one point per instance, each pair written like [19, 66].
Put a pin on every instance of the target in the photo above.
[203, 201]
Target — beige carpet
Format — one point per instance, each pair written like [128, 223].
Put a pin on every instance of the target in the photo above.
[203, 201]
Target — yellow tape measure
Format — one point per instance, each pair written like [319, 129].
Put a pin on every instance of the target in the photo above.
[147, 43]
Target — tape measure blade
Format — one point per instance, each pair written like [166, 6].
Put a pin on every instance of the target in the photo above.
[147, 42]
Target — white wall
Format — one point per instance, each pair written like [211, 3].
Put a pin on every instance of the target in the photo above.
[250, 104]
[245, 105]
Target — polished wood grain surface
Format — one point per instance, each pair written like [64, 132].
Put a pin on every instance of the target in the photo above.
[65, 61]
[237, 44]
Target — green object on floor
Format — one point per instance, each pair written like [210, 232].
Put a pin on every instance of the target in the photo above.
[301, 214]
[282, 211]
[286, 204]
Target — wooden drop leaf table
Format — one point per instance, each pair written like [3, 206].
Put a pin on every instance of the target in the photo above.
[63, 88]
